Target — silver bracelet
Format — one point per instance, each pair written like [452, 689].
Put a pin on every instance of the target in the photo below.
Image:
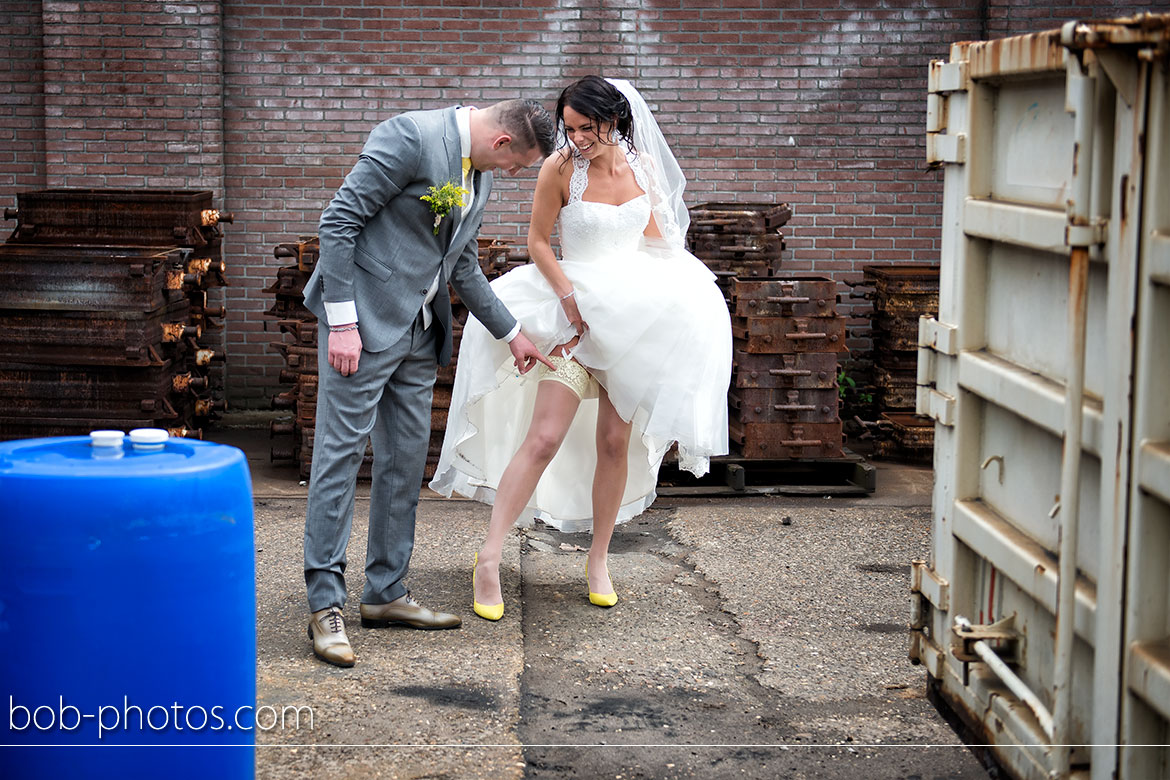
[342, 328]
[569, 294]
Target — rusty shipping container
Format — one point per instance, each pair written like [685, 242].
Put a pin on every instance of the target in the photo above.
[1043, 613]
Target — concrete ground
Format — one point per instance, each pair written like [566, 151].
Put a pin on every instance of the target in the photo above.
[754, 637]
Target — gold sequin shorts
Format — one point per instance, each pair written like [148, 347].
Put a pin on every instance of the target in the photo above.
[572, 375]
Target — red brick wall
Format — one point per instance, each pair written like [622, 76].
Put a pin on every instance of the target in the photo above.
[814, 102]
[1016, 17]
[133, 94]
[22, 101]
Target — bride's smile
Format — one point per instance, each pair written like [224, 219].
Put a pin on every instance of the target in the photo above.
[584, 134]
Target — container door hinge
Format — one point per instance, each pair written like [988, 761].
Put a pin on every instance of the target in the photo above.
[934, 404]
[927, 590]
[934, 339]
[942, 148]
[1087, 235]
[936, 113]
[947, 77]
[938, 336]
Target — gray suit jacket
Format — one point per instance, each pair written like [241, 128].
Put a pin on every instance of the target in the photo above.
[377, 244]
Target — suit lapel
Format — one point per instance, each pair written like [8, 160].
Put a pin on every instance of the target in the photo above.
[483, 185]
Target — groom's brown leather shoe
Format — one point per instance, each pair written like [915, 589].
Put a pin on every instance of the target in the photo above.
[406, 612]
[330, 644]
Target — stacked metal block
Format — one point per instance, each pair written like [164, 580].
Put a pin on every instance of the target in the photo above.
[298, 328]
[901, 294]
[783, 397]
[104, 312]
[298, 346]
[497, 256]
[738, 240]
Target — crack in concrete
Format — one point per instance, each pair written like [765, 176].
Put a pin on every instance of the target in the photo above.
[667, 681]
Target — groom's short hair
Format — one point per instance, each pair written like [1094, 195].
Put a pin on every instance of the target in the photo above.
[528, 122]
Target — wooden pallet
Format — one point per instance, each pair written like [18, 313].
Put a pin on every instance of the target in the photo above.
[733, 475]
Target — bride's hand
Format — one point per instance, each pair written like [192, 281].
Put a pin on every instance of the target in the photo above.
[569, 304]
[560, 349]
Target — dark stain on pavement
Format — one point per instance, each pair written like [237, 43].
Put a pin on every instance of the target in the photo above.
[885, 628]
[449, 696]
[885, 568]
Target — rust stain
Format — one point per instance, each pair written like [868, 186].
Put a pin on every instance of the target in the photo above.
[1019, 54]
[1078, 282]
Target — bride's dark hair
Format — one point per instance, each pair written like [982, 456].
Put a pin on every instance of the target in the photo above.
[595, 98]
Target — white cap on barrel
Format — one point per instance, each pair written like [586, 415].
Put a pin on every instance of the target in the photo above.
[106, 438]
[148, 439]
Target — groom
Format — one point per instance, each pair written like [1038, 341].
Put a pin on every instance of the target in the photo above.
[380, 294]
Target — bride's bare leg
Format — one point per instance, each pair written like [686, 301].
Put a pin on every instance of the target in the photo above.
[552, 414]
[609, 483]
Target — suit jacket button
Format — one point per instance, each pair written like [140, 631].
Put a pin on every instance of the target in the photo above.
[422, 292]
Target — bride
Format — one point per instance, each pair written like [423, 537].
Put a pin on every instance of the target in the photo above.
[635, 324]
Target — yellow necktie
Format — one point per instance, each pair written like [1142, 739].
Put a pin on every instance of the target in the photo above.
[466, 180]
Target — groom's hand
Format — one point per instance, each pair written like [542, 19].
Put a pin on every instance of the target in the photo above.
[526, 354]
[345, 347]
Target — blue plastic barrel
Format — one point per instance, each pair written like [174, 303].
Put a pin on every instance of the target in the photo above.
[127, 610]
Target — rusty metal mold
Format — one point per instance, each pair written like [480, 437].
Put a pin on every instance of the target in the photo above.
[85, 338]
[901, 295]
[783, 399]
[113, 216]
[103, 300]
[87, 278]
[776, 335]
[305, 251]
[787, 440]
[781, 404]
[807, 369]
[750, 218]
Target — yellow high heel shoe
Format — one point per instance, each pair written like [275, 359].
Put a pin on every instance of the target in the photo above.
[599, 599]
[486, 611]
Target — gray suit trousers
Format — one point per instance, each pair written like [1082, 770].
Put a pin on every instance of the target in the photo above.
[387, 401]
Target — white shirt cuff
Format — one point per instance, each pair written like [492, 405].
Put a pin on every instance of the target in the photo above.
[513, 333]
[340, 312]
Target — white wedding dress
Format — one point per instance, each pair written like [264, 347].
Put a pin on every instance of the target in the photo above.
[659, 342]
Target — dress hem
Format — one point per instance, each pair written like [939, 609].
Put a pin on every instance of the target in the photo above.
[460, 483]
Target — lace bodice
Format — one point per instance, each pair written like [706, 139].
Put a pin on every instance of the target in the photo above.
[590, 229]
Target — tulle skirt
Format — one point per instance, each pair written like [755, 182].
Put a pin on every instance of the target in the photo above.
[659, 343]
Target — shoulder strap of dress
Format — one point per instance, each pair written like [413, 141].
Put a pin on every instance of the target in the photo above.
[635, 161]
[579, 181]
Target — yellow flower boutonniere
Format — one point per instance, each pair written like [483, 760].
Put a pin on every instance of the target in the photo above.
[443, 199]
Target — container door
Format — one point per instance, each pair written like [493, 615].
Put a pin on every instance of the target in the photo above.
[1145, 706]
[1041, 137]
